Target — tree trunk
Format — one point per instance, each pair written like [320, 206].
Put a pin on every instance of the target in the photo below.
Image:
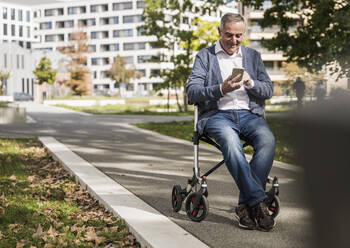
[168, 100]
[177, 100]
[185, 98]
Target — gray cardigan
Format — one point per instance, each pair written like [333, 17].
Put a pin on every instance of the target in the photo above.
[203, 87]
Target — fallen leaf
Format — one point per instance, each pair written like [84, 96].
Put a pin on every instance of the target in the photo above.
[52, 232]
[13, 178]
[31, 178]
[20, 245]
[1, 235]
[90, 235]
[39, 232]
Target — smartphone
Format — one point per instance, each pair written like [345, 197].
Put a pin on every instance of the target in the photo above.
[237, 71]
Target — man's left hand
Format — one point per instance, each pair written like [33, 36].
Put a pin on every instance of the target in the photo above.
[247, 81]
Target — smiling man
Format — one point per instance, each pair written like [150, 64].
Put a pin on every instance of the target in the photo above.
[232, 108]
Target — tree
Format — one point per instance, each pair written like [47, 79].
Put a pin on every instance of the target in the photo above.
[313, 33]
[173, 25]
[81, 79]
[4, 76]
[44, 73]
[120, 73]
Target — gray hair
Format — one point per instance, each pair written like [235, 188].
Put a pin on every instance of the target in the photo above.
[230, 17]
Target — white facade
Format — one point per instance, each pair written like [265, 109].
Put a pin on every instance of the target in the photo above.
[16, 24]
[112, 29]
[20, 63]
[272, 60]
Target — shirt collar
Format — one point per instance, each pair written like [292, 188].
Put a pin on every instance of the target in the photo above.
[218, 48]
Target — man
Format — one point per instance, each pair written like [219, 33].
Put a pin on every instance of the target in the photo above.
[299, 87]
[230, 109]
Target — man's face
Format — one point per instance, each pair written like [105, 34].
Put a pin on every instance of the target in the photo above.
[231, 36]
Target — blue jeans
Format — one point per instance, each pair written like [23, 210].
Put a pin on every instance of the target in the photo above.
[227, 127]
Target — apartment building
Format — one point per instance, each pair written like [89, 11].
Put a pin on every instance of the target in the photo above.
[16, 24]
[19, 63]
[111, 26]
[272, 60]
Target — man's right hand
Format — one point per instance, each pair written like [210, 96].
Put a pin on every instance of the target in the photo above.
[231, 84]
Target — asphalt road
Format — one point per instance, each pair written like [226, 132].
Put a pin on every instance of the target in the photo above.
[149, 164]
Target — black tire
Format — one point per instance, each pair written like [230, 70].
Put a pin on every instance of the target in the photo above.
[176, 198]
[200, 212]
[274, 207]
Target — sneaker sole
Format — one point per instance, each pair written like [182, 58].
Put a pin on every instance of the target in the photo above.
[243, 226]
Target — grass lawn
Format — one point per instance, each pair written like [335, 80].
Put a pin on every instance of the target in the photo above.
[281, 128]
[42, 206]
[128, 109]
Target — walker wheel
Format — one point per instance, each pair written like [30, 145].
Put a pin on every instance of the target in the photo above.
[274, 207]
[176, 198]
[198, 213]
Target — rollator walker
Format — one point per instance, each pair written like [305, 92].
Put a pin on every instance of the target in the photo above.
[195, 194]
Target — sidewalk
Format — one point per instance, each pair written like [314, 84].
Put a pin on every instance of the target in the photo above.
[151, 228]
[148, 164]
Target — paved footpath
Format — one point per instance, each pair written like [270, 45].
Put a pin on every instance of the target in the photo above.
[148, 164]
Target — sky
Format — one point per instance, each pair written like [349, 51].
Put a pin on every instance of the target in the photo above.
[33, 2]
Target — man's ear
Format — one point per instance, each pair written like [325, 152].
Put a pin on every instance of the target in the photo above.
[219, 30]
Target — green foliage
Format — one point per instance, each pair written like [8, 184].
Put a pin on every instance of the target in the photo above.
[177, 24]
[313, 33]
[119, 73]
[282, 128]
[44, 72]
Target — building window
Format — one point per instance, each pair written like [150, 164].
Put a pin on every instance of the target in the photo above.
[155, 72]
[5, 29]
[94, 35]
[48, 12]
[92, 48]
[20, 31]
[13, 30]
[28, 32]
[140, 31]
[49, 38]
[115, 19]
[93, 8]
[134, 46]
[143, 58]
[94, 61]
[28, 16]
[22, 84]
[104, 7]
[140, 4]
[115, 47]
[60, 37]
[46, 25]
[13, 14]
[28, 85]
[20, 15]
[268, 65]
[76, 10]
[69, 24]
[29, 45]
[5, 60]
[132, 19]
[4, 13]
[122, 6]
[128, 59]
[123, 33]
[22, 60]
[142, 72]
